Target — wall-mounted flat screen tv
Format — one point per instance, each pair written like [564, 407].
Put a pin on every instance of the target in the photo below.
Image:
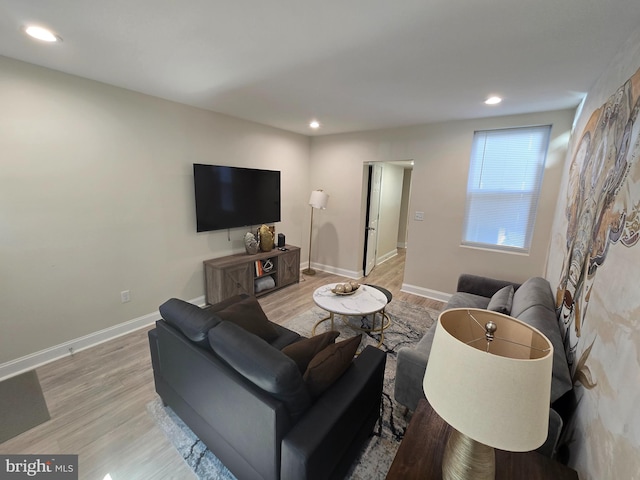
[228, 197]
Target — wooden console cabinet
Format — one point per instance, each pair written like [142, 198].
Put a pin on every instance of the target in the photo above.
[236, 274]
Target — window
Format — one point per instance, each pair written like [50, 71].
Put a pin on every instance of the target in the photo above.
[505, 175]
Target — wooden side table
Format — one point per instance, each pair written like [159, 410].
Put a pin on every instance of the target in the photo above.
[420, 454]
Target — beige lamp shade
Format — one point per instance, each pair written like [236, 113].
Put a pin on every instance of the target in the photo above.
[499, 397]
[318, 199]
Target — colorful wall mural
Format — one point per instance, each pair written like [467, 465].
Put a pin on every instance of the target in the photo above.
[603, 201]
[594, 264]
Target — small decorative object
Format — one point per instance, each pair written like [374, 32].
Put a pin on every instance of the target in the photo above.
[267, 265]
[348, 288]
[250, 243]
[266, 239]
[264, 283]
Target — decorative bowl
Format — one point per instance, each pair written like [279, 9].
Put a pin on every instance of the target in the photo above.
[348, 288]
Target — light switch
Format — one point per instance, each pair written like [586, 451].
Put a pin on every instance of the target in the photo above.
[418, 216]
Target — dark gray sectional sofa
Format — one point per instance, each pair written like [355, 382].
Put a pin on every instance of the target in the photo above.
[532, 302]
[247, 401]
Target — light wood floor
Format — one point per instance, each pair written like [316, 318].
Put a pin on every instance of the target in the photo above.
[97, 397]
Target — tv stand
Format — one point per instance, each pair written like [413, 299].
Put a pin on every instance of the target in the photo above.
[236, 274]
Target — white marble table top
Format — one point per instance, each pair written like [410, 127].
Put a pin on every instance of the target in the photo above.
[365, 301]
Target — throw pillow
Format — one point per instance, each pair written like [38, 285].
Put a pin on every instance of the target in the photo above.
[303, 351]
[193, 321]
[502, 300]
[329, 365]
[248, 314]
[225, 303]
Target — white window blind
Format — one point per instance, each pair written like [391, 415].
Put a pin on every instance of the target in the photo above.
[505, 176]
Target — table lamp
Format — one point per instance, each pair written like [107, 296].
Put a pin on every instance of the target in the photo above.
[318, 199]
[488, 377]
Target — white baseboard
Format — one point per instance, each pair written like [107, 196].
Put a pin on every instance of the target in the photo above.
[348, 273]
[387, 256]
[425, 292]
[413, 289]
[336, 271]
[37, 359]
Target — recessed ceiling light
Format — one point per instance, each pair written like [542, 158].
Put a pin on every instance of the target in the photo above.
[41, 33]
[314, 124]
[493, 100]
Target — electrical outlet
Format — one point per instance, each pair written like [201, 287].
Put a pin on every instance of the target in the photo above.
[125, 296]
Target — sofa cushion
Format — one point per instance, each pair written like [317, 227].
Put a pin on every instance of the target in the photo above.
[248, 314]
[225, 303]
[193, 321]
[540, 317]
[479, 285]
[329, 365]
[533, 303]
[261, 364]
[535, 291]
[285, 336]
[502, 300]
[303, 351]
[467, 300]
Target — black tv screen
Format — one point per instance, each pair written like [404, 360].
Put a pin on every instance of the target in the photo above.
[228, 197]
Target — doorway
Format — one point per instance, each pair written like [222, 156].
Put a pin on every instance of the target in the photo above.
[387, 196]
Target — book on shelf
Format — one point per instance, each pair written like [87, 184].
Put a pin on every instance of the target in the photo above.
[259, 271]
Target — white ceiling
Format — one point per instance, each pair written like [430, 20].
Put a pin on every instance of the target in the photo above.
[352, 64]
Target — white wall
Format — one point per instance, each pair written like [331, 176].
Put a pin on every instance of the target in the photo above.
[337, 166]
[404, 208]
[441, 154]
[389, 218]
[96, 197]
[595, 231]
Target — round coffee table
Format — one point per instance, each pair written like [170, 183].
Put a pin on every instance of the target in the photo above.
[365, 301]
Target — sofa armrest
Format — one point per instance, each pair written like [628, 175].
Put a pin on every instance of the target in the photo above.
[327, 438]
[239, 422]
[483, 286]
[548, 448]
[410, 368]
[153, 347]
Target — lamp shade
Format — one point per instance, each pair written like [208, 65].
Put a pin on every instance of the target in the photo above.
[318, 199]
[496, 392]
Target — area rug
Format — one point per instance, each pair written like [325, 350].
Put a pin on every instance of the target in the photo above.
[409, 323]
[22, 405]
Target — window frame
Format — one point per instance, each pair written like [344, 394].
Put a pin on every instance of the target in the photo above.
[480, 139]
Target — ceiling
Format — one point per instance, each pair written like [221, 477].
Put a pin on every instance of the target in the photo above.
[353, 64]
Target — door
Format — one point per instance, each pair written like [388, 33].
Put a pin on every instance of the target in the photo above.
[373, 211]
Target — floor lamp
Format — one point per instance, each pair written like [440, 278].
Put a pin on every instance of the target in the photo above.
[318, 199]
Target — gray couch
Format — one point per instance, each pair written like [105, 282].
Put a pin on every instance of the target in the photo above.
[532, 302]
[247, 400]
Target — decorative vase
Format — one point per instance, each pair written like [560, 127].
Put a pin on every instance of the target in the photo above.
[250, 243]
[266, 239]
